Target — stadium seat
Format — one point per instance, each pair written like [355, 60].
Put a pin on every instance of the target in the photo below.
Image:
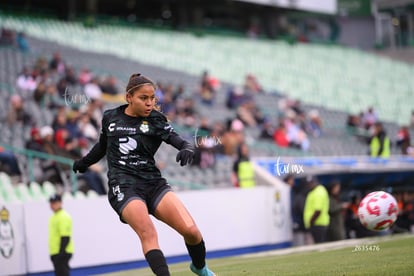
[36, 191]
[22, 192]
[79, 195]
[92, 194]
[48, 189]
[67, 196]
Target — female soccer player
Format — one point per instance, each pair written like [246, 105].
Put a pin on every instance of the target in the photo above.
[131, 134]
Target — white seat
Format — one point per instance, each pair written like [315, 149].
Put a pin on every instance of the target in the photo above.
[36, 191]
[48, 189]
[22, 192]
[92, 194]
[79, 195]
[67, 196]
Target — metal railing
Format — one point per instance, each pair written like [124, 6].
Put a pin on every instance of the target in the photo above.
[72, 182]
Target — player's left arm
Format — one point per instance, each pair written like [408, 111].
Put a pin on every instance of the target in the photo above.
[167, 133]
[97, 152]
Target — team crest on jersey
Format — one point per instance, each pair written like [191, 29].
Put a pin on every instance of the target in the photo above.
[144, 126]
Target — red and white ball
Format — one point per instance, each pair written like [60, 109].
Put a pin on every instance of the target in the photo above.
[378, 211]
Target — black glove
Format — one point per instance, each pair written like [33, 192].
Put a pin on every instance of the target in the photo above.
[79, 166]
[185, 156]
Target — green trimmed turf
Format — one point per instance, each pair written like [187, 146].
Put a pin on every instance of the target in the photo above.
[380, 256]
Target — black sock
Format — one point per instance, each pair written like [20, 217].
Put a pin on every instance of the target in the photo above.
[198, 254]
[157, 262]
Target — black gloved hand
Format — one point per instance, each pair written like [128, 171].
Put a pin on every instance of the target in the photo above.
[185, 156]
[79, 166]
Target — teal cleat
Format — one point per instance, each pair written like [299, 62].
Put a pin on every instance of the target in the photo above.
[202, 272]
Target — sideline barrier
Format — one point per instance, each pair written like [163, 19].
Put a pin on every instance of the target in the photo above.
[232, 221]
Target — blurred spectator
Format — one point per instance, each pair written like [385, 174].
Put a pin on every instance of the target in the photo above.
[315, 123]
[207, 93]
[9, 163]
[35, 141]
[178, 93]
[72, 119]
[245, 113]
[168, 106]
[235, 97]
[379, 145]
[249, 114]
[65, 142]
[92, 89]
[354, 124]
[336, 229]
[25, 80]
[70, 76]
[280, 136]
[17, 112]
[60, 119]
[53, 169]
[298, 192]
[405, 220]
[296, 106]
[204, 145]
[186, 113]
[94, 109]
[251, 85]
[403, 140]
[402, 224]
[296, 136]
[370, 117]
[52, 99]
[49, 168]
[87, 128]
[217, 132]
[232, 137]
[62, 86]
[207, 80]
[39, 93]
[109, 86]
[353, 227]
[243, 171]
[267, 130]
[316, 210]
[41, 64]
[22, 42]
[57, 64]
[85, 76]
[353, 121]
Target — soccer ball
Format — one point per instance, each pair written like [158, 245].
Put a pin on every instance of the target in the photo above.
[378, 211]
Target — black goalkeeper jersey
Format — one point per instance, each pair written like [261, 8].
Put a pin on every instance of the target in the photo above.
[130, 144]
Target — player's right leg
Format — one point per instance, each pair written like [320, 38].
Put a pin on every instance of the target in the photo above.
[135, 213]
[172, 211]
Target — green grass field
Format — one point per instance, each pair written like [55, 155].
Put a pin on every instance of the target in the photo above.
[389, 255]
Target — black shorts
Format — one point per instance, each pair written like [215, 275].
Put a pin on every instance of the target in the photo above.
[122, 191]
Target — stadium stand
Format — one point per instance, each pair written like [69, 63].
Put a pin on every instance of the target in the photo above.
[334, 80]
